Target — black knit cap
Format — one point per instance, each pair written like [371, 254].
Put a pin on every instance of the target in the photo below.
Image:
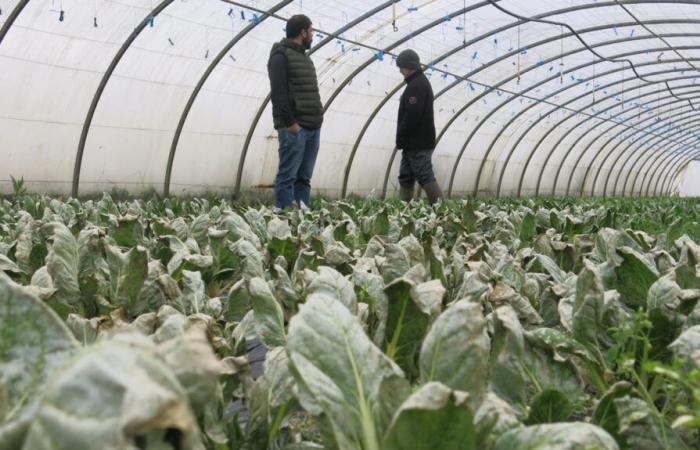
[408, 59]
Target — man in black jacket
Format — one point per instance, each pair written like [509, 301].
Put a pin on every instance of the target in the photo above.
[297, 112]
[415, 133]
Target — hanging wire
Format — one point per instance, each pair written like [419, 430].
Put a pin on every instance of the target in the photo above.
[588, 47]
[561, 57]
[464, 23]
[519, 52]
[94, 18]
[393, 17]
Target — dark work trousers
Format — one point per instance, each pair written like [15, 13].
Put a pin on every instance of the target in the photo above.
[416, 165]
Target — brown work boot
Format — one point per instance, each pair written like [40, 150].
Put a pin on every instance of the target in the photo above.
[433, 191]
[406, 193]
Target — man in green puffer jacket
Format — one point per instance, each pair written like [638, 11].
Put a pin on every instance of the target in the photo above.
[297, 112]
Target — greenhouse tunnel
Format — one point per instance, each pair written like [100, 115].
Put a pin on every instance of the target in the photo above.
[552, 97]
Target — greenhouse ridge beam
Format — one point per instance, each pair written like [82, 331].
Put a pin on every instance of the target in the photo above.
[263, 106]
[200, 84]
[16, 11]
[100, 89]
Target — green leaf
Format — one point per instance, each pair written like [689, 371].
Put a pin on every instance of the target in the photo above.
[605, 414]
[128, 272]
[433, 417]
[268, 317]
[62, 263]
[338, 370]
[589, 306]
[634, 276]
[410, 310]
[643, 427]
[455, 351]
[528, 229]
[112, 395]
[127, 231]
[33, 342]
[559, 436]
[549, 406]
[194, 298]
[333, 283]
[687, 346]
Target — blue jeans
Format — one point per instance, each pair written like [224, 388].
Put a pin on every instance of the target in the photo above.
[297, 152]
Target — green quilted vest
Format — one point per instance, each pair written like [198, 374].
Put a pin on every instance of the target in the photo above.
[304, 95]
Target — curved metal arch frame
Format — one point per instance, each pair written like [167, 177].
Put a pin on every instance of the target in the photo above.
[504, 57]
[528, 108]
[640, 162]
[355, 73]
[679, 158]
[578, 161]
[16, 11]
[485, 158]
[263, 105]
[573, 115]
[668, 156]
[555, 146]
[632, 130]
[691, 139]
[680, 147]
[667, 165]
[679, 167]
[669, 168]
[647, 152]
[551, 152]
[610, 153]
[101, 87]
[200, 84]
[670, 159]
[602, 148]
[520, 113]
[590, 144]
[645, 148]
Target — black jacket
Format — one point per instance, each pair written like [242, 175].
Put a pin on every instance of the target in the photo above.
[416, 123]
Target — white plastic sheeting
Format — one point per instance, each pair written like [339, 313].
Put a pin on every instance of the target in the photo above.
[522, 107]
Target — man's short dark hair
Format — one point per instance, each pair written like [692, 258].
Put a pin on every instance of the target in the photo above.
[297, 24]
